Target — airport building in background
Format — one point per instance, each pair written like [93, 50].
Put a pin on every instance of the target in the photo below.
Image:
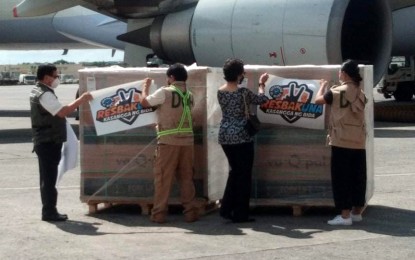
[70, 69]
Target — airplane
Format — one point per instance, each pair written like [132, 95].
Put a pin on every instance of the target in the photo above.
[206, 32]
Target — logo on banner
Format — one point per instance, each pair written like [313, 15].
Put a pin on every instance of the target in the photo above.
[123, 106]
[292, 102]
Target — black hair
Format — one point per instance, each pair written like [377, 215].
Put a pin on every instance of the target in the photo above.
[178, 71]
[351, 68]
[232, 69]
[45, 69]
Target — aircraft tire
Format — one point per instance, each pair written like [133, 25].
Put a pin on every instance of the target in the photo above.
[404, 92]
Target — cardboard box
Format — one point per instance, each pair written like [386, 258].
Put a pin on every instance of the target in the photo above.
[292, 162]
[119, 166]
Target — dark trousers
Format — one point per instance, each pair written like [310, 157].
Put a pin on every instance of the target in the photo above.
[235, 202]
[348, 176]
[49, 155]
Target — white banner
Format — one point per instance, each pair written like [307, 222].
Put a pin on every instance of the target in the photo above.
[291, 103]
[118, 108]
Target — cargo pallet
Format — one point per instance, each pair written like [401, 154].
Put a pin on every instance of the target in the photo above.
[205, 206]
[146, 204]
[298, 207]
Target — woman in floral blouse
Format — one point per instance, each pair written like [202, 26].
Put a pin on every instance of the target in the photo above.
[237, 144]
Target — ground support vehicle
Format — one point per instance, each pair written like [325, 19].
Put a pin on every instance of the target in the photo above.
[8, 78]
[399, 80]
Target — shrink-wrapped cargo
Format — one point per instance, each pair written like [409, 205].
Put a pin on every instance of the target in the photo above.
[292, 160]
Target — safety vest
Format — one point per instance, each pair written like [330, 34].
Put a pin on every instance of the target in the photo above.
[186, 114]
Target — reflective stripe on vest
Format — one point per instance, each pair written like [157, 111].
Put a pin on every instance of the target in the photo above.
[186, 113]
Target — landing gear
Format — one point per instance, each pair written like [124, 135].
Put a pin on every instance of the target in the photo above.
[404, 92]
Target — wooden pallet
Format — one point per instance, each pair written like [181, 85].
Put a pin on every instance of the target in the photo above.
[205, 206]
[146, 204]
[298, 207]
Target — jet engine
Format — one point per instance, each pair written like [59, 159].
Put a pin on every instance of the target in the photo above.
[273, 32]
[403, 33]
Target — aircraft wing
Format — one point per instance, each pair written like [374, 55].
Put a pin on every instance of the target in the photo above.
[400, 4]
[50, 24]
[117, 8]
[30, 8]
[129, 8]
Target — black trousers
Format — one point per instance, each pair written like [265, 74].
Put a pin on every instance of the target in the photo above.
[49, 155]
[235, 202]
[348, 177]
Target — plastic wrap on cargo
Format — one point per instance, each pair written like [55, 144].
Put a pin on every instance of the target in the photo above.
[292, 161]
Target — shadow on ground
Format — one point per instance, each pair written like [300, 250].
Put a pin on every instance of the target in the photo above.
[272, 220]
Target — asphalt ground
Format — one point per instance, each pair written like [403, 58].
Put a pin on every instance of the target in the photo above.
[387, 231]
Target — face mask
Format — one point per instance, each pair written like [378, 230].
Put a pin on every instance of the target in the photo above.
[243, 83]
[55, 83]
[241, 80]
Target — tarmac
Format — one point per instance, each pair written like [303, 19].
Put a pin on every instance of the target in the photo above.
[386, 232]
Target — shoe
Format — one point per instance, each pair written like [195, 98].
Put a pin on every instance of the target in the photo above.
[340, 221]
[243, 220]
[356, 218]
[55, 217]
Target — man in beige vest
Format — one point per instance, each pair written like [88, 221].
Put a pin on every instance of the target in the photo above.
[174, 152]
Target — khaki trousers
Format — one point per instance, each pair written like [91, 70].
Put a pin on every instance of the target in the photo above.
[173, 161]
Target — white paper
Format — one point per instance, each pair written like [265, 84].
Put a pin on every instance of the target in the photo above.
[69, 156]
[91, 84]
